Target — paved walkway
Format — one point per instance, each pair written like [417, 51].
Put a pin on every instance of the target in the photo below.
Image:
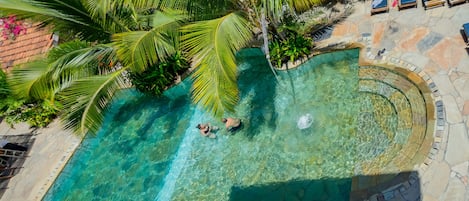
[427, 41]
[48, 155]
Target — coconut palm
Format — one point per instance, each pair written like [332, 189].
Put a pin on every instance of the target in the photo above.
[136, 34]
[84, 76]
[213, 43]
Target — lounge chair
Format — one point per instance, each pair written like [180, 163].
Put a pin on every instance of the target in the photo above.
[455, 2]
[432, 3]
[465, 33]
[12, 153]
[407, 4]
[378, 6]
[7, 173]
[14, 146]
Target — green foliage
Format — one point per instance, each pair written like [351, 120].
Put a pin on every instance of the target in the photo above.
[4, 89]
[14, 109]
[293, 47]
[212, 45]
[36, 114]
[137, 36]
[157, 78]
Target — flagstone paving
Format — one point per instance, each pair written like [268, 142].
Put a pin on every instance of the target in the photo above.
[429, 43]
[425, 41]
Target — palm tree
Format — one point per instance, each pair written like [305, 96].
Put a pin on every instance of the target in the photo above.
[136, 34]
[213, 43]
[82, 75]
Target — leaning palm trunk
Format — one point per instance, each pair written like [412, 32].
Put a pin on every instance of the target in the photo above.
[263, 23]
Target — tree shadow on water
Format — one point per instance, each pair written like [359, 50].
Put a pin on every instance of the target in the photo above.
[257, 87]
[399, 186]
[161, 110]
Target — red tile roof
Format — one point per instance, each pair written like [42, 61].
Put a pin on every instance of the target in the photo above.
[36, 41]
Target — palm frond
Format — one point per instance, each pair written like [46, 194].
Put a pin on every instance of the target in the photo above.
[79, 54]
[31, 81]
[86, 99]
[114, 16]
[32, 9]
[4, 88]
[70, 17]
[99, 9]
[273, 8]
[139, 49]
[212, 45]
[209, 9]
[77, 59]
[162, 4]
[302, 5]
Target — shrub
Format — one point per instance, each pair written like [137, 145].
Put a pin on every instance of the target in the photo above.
[35, 114]
[14, 110]
[157, 78]
[292, 48]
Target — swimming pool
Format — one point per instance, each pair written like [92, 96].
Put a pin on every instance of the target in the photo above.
[149, 148]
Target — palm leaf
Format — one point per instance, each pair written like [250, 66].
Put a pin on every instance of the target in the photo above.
[32, 9]
[86, 99]
[76, 59]
[31, 81]
[139, 49]
[114, 16]
[275, 8]
[209, 9]
[92, 60]
[161, 4]
[68, 17]
[212, 45]
[4, 88]
[302, 5]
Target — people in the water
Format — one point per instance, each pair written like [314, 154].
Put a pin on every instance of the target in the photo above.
[206, 130]
[231, 124]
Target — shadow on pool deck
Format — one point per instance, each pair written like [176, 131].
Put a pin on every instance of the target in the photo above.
[404, 186]
[25, 140]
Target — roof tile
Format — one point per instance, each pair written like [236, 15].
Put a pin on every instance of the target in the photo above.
[36, 41]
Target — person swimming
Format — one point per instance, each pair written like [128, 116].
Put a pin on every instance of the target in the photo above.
[205, 130]
[231, 124]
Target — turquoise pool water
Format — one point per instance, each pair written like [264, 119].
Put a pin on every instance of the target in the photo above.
[149, 148]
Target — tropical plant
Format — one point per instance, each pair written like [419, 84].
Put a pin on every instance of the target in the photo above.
[136, 35]
[292, 48]
[38, 114]
[158, 77]
[297, 46]
[277, 53]
[84, 76]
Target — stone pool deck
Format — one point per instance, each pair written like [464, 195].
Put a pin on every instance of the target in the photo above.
[425, 41]
[429, 43]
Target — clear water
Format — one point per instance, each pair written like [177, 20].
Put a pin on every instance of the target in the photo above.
[149, 148]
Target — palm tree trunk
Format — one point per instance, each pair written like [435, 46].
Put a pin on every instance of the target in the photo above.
[263, 23]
